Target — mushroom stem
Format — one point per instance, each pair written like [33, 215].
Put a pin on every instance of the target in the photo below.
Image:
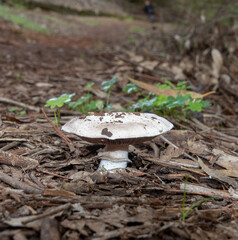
[115, 157]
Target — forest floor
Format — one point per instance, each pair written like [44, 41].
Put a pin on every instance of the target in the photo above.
[181, 186]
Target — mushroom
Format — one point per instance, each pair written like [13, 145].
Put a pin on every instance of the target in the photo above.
[117, 130]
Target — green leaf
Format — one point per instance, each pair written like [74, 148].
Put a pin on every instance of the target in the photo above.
[160, 100]
[13, 109]
[182, 86]
[130, 88]
[178, 102]
[22, 112]
[95, 105]
[163, 86]
[195, 106]
[107, 85]
[170, 84]
[89, 85]
[99, 105]
[205, 104]
[81, 101]
[60, 101]
[144, 104]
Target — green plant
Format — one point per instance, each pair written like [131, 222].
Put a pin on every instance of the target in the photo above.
[18, 75]
[186, 213]
[128, 18]
[17, 110]
[57, 103]
[137, 29]
[7, 14]
[132, 40]
[85, 104]
[182, 105]
[107, 87]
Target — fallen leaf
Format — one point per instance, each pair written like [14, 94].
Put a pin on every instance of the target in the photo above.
[225, 160]
[170, 153]
[197, 147]
[167, 92]
[150, 65]
[213, 173]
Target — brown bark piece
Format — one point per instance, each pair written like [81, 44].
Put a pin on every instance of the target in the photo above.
[49, 230]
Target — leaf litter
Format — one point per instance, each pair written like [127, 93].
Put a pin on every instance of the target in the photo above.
[49, 188]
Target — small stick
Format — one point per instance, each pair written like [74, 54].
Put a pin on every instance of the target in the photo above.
[48, 213]
[50, 173]
[65, 138]
[17, 184]
[172, 144]
[35, 180]
[16, 103]
[17, 160]
[197, 189]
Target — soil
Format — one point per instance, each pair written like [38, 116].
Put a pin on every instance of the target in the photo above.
[50, 188]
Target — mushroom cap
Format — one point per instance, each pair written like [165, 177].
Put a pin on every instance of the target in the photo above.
[118, 127]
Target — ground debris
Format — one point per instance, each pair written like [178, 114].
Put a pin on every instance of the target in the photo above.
[49, 186]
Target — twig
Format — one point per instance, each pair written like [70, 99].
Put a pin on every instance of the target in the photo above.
[197, 189]
[65, 138]
[35, 180]
[50, 173]
[206, 128]
[17, 184]
[16, 160]
[172, 144]
[16, 103]
[48, 213]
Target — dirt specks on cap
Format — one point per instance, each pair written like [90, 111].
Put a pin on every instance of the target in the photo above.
[106, 132]
[120, 115]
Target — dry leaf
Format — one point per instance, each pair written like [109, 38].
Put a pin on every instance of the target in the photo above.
[96, 226]
[166, 92]
[178, 73]
[228, 173]
[217, 62]
[83, 176]
[225, 160]
[74, 224]
[197, 147]
[170, 153]
[136, 58]
[150, 65]
[213, 173]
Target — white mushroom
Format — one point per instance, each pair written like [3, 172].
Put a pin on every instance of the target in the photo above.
[117, 130]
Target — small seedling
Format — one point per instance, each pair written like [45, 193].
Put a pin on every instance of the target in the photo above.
[107, 87]
[186, 213]
[57, 104]
[18, 75]
[17, 111]
[131, 87]
[129, 18]
[85, 104]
